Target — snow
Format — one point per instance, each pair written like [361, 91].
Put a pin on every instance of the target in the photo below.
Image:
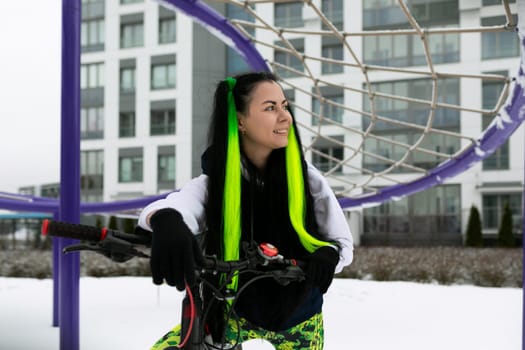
[132, 313]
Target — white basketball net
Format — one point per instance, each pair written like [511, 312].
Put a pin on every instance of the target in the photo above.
[365, 135]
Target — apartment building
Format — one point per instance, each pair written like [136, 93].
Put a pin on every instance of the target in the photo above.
[439, 215]
[143, 115]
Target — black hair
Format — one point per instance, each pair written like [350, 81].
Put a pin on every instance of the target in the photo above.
[216, 171]
[217, 147]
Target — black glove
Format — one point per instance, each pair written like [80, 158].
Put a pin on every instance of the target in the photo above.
[173, 249]
[321, 267]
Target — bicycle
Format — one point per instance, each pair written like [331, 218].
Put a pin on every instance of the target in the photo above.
[262, 259]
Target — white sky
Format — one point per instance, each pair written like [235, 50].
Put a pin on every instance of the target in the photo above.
[131, 313]
[30, 40]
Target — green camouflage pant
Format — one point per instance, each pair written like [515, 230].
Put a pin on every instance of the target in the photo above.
[308, 335]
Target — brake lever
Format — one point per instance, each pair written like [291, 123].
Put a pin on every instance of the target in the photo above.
[79, 247]
[291, 273]
[111, 247]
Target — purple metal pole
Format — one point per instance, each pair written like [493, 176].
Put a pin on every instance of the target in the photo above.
[57, 250]
[70, 172]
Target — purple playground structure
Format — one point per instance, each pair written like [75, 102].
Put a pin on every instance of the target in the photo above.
[66, 270]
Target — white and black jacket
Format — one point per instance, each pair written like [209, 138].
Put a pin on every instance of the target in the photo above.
[265, 219]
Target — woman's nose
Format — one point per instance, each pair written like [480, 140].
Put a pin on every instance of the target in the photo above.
[284, 114]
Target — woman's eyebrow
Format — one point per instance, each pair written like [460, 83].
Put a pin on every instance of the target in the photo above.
[274, 102]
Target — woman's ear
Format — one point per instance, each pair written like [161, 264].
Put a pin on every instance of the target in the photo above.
[240, 122]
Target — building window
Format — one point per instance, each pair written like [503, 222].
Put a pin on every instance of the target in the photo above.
[162, 118]
[288, 59]
[130, 165]
[412, 112]
[92, 123]
[289, 14]
[92, 173]
[163, 72]
[27, 190]
[130, 1]
[327, 154]
[126, 124]
[498, 44]
[92, 34]
[495, 2]
[444, 48]
[491, 91]
[166, 170]
[382, 13]
[389, 148]
[387, 51]
[493, 205]
[290, 96]
[386, 152]
[430, 12]
[430, 216]
[93, 9]
[408, 50]
[333, 10]
[131, 31]
[166, 167]
[331, 49]
[50, 191]
[167, 26]
[236, 63]
[92, 75]
[329, 110]
[163, 76]
[127, 79]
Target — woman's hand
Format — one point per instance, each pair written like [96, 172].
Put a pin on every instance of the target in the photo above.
[173, 249]
[321, 267]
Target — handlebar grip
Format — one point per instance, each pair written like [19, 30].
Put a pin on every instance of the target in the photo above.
[76, 231]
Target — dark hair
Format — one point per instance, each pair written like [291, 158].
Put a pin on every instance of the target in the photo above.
[216, 169]
[217, 147]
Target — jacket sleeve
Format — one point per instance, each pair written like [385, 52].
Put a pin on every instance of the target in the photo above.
[188, 201]
[330, 217]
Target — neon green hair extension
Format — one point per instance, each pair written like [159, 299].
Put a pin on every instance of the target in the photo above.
[232, 189]
[232, 186]
[296, 200]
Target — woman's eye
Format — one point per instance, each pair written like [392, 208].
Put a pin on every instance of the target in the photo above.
[270, 108]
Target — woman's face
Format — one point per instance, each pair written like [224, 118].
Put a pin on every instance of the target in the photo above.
[266, 123]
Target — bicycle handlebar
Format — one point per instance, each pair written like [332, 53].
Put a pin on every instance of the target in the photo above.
[120, 246]
[90, 233]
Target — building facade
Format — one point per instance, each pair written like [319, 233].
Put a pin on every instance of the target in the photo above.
[143, 115]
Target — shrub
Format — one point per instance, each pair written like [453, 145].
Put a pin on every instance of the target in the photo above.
[505, 235]
[129, 225]
[112, 225]
[474, 237]
[491, 267]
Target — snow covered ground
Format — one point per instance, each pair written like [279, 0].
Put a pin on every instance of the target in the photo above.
[131, 313]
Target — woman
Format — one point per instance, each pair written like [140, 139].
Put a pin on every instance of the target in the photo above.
[255, 186]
